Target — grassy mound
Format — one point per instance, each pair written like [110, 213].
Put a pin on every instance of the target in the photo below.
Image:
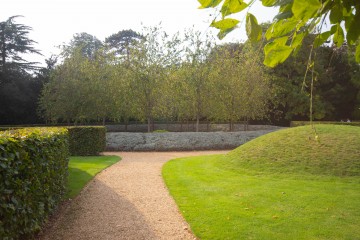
[279, 186]
[336, 151]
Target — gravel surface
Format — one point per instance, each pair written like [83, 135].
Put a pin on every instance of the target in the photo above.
[129, 200]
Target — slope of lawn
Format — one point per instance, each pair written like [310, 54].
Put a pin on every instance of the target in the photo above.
[283, 185]
[83, 169]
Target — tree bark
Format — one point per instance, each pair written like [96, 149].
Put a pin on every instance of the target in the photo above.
[197, 123]
[149, 124]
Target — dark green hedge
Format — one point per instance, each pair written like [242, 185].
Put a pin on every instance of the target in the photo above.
[303, 123]
[33, 175]
[87, 141]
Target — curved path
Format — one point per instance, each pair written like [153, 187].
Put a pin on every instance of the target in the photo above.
[129, 200]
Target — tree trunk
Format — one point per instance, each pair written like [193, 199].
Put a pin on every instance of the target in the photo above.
[3, 50]
[103, 121]
[149, 124]
[197, 123]
[231, 126]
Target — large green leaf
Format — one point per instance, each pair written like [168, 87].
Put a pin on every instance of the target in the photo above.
[209, 3]
[336, 14]
[272, 3]
[277, 42]
[321, 38]
[305, 9]
[277, 55]
[281, 28]
[297, 39]
[232, 6]
[223, 33]
[352, 27]
[357, 53]
[225, 24]
[284, 12]
[253, 29]
[338, 37]
[268, 3]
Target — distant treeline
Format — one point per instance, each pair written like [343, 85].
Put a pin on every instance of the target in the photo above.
[151, 76]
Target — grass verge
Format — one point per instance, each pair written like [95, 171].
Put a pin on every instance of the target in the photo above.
[83, 169]
[250, 194]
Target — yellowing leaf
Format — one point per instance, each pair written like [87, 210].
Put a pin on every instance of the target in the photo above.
[225, 24]
[232, 6]
[268, 3]
[277, 42]
[297, 39]
[281, 28]
[357, 53]
[277, 55]
[305, 9]
[253, 29]
[223, 33]
[209, 3]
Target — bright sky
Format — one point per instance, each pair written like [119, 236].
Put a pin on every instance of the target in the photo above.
[55, 21]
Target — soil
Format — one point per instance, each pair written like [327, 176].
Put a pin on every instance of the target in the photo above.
[128, 200]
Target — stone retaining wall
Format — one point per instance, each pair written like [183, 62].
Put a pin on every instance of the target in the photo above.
[179, 141]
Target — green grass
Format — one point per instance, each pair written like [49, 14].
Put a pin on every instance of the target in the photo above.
[279, 186]
[83, 169]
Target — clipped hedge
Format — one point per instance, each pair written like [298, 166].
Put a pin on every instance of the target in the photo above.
[33, 175]
[87, 140]
[303, 123]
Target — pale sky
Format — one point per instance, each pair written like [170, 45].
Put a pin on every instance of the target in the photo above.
[55, 21]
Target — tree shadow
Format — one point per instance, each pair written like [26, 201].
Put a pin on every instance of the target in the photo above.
[98, 212]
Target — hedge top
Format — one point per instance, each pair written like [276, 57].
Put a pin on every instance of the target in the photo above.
[25, 132]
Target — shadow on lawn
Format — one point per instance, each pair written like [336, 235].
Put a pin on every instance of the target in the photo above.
[97, 213]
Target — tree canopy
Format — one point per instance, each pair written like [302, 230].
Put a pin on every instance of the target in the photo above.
[295, 20]
[14, 42]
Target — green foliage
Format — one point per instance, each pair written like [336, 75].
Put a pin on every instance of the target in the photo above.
[297, 18]
[304, 123]
[86, 140]
[225, 26]
[335, 89]
[20, 82]
[14, 42]
[83, 169]
[158, 77]
[253, 29]
[33, 174]
[242, 86]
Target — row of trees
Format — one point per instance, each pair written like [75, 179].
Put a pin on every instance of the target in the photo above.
[155, 76]
[152, 76]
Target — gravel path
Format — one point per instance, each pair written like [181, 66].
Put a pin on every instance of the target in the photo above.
[129, 200]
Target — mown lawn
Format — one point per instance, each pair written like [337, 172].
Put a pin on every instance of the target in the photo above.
[83, 169]
[285, 185]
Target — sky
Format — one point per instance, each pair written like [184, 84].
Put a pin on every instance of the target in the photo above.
[54, 22]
